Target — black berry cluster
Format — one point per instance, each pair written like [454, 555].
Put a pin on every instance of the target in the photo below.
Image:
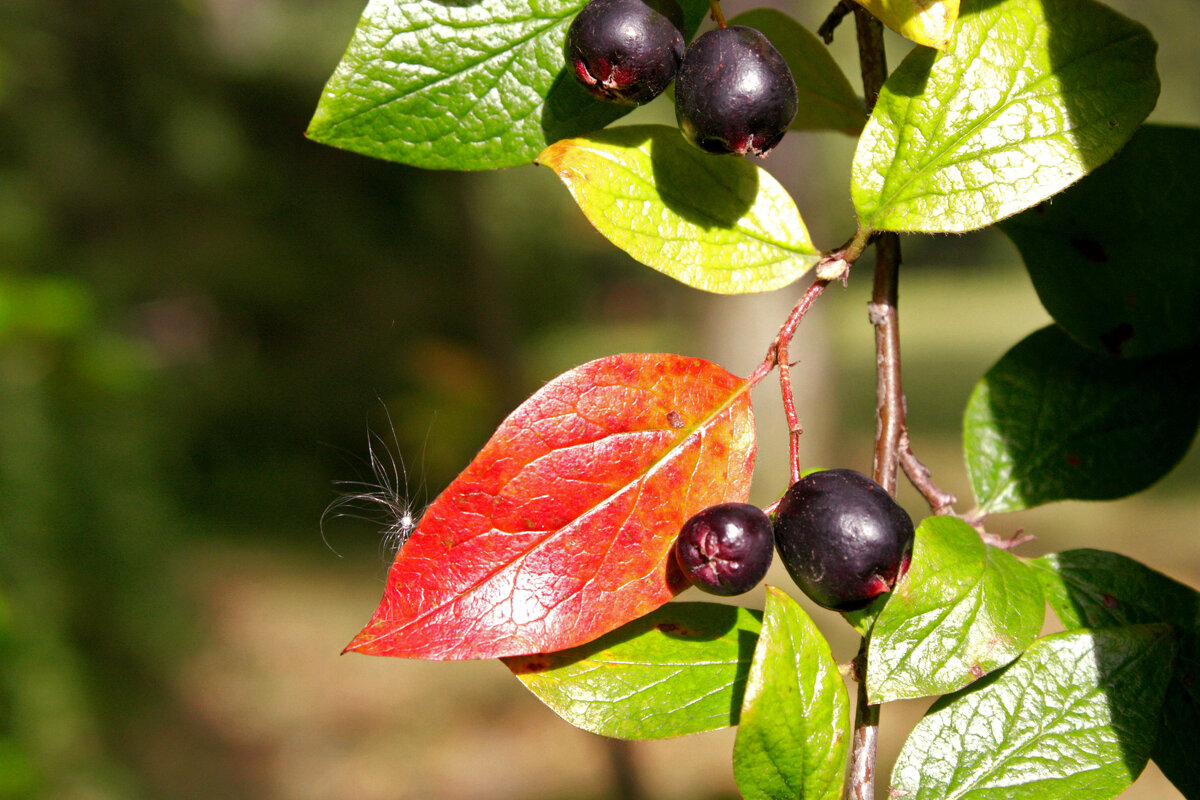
[734, 91]
[726, 549]
[843, 539]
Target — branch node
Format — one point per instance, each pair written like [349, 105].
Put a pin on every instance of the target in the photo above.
[877, 313]
[834, 268]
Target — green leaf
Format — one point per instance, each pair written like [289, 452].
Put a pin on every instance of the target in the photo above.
[717, 223]
[827, 100]
[963, 609]
[795, 722]
[1098, 589]
[1053, 421]
[1075, 716]
[1031, 96]
[1090, 257]
[863, 619]
[460, 85]
[680, 669]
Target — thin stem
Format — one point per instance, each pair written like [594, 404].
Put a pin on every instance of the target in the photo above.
[839, 12]
[789, 411]
[714, 10]
[833, 266]
[784, 337]
[940, 501]
[860, 778]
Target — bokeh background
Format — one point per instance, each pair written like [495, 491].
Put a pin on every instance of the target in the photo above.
[202, 317]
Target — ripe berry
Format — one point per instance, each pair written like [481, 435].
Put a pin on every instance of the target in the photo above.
[734, 92]
[626, 51]
[726, 549]
[843, 539]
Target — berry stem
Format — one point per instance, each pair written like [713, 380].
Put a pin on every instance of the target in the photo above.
[777, 356]
[832, 266]
[786, 332]
[789, 410]
[860, 778]
[714, 10]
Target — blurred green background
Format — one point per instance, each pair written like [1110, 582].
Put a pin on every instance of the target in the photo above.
[202, 315]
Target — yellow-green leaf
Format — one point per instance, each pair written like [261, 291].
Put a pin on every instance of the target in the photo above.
[718, 223]
[1030, 97]
[927, 22]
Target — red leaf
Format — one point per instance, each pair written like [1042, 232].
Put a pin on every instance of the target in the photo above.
[561, 528]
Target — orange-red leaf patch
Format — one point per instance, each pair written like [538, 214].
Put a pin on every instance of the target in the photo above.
[561, 528]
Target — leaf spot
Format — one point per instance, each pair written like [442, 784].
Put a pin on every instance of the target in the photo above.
[976, 671]
[1110, 601]
[1074, 460]
[675, 419]
[673, 629]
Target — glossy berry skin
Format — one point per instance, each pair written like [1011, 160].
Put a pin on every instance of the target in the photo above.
[843, 539]
[734, 92]
[626, 51]
[726, 549]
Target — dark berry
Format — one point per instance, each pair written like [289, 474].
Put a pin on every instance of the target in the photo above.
[843, 539]
[726, 549]
[626, 51]
[734, 92]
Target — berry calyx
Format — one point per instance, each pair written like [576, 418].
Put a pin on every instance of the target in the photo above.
[726, 549]
[734, 92]
[626, 51]
[842, 538]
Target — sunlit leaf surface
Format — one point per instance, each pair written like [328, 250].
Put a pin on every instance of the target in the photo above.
[1075, 716]
[461, 85]
[795, 726]
[927, 22]
[718, 223]
[963, 609]
[1098, 589]
[678, 670]
[1030, 96]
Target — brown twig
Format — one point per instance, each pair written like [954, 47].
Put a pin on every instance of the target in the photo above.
[860, 783]
[839, 12]
[860, 777]
[889, 408]
[872, 60]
